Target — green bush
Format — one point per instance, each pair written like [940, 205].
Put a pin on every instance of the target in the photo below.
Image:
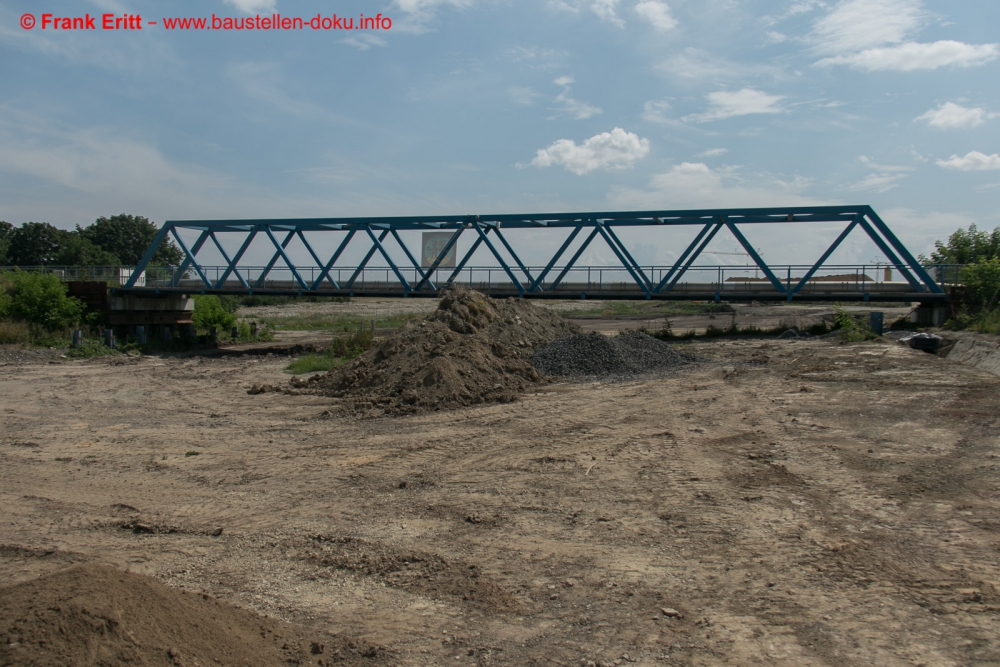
[853, 329]
[39, 299]
[353, 345]
[982, 280]
[264, 334]
[209, 312]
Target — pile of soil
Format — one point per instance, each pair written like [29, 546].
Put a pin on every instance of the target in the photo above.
[472, 350]
[623, 357]
[96, 615]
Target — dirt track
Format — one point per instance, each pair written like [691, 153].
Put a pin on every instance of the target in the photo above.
[795, 503]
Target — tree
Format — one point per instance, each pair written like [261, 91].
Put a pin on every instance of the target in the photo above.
[966, 247]
[127, 237]
[34, 244]
[76, 250]
[5, 230]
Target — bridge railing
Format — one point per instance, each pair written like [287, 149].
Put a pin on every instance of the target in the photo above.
[844, 278]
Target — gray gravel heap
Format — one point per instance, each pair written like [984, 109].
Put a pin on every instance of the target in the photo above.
[595, 356]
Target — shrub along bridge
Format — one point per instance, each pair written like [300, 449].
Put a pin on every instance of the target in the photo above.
[899, 278]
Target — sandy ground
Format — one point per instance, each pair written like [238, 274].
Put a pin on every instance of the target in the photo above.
[789, 503]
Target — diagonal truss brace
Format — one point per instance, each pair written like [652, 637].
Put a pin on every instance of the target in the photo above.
[325, 273]
[510, 274]
[189, 257]
[572, 261]
[680, 260]
[548, 267]
[624, 258]
[758, 260]
[826, 255]
[364, 262]
[715, 227]
[236, 258]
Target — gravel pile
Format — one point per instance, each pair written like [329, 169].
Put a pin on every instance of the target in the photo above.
[595, 356]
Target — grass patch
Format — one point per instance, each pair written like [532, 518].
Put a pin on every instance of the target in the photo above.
[343, 350]
[15, 333]
[315, 363]
[192, 453]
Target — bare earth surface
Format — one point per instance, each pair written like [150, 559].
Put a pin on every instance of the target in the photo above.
[790, 503]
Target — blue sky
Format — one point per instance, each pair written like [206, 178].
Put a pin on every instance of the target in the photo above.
[490, 106]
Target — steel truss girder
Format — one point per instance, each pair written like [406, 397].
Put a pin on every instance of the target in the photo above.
[710, 222]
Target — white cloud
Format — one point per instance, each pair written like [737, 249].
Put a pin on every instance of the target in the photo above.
[951, 116]
[877, 35]
[654, 112]
[616, 149]
[883, 167]
[534, 57]
[854, 25]
[657, 13]
[364, 41]
[878, 183]
[803, 7]
[694, 64]
[726, 104]
[713, 152]
[568, 105]
[562, 5]
[253, 6]
[421, 12]
[523, 96]
[696, 185]
[605, 9]
[774, 37]
[913, 56]
[973, 161]
[421, 6]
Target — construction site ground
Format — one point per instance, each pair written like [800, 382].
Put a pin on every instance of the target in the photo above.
[786, 502]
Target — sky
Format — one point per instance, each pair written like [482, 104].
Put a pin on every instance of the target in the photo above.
[510, 106]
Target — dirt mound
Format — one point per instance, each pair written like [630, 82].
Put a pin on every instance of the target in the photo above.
[626, 356]
[96, 615]
[470, 351]
[512, 322]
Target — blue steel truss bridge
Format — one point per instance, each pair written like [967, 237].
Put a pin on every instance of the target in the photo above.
[900, 277]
